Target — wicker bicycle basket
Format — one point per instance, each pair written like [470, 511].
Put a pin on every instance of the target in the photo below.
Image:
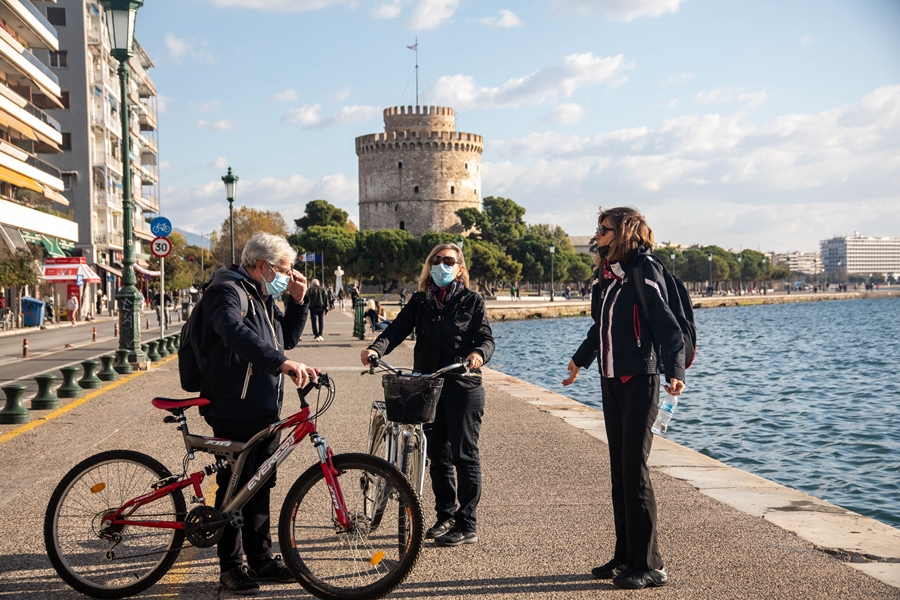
[411, 399]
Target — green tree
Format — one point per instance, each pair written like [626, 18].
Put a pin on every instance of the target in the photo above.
[489, 264]
[385, 256]
[581, 268]
[322, 213]
[19, 269]
[336, 243]
[499, 222]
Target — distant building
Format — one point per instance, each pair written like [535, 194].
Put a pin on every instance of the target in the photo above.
[808, 263]
[92, 157]
[582, 243]
[861, 254]
[419, 172]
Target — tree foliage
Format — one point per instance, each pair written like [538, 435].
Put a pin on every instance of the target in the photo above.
[336, 243]
[487, 263]
[500, 222]
[322, 213]
[247, 223]
[385, 256]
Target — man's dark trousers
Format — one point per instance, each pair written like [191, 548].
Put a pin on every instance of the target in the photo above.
[255, 534]
[453, 446]
[629, 410]
[318, 321]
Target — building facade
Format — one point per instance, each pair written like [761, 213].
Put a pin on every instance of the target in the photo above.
[91, 160]
[861, 255]
[419, 172]
[808, 263]
[33, 209]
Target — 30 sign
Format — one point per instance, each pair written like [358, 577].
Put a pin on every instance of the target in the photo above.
[161, 247]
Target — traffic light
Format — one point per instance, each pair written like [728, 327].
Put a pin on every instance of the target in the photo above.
[191, 258]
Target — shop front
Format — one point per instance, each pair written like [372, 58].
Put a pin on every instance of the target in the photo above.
[72, 276]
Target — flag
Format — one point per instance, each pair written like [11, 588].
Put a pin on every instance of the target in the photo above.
[414, 46]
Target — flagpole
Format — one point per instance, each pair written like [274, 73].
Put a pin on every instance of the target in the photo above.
[417, 70]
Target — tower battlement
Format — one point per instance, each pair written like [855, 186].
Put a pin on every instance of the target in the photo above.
[419, 118]
[436, 140]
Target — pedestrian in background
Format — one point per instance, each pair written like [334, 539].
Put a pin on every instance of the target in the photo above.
[318, 307]
[340, 297]
[330, 294]
[629, 385]
[72, 308]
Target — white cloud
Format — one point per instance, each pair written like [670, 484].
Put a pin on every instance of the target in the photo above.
[308, 116]
[204, 107]
[221, 125]
[428, 14]
[678, 78]
[288, 95]
[807, 39]
[506, 19]
[728, 94]
[565, 113]
[543, 85]
[342, 95]
[388, 10]
[219, 164]
[166, 165]
[281, 5]
[181, 49]
[619, 10]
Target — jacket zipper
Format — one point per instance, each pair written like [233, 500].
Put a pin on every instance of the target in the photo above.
[247, 380]
[637, 326]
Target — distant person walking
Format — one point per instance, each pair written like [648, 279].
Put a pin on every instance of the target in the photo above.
[72, 309]
[318, 307]
[629, 385]
[340, 297]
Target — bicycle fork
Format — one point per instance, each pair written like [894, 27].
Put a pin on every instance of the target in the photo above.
[334, 487]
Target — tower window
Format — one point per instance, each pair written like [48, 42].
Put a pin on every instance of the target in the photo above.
[415, 189]
[400, 165]
[452, 189]
[396, 208]
[402, 225]
[467, 166]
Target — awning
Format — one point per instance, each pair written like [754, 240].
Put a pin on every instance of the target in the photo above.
[147, 272]
[25, 130]
[109, 269]
[12, 237]
[56, 248]
[47, 143]
[69, 274]
[52, 194]
[19, 180]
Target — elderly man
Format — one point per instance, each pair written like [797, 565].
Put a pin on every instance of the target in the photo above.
[245, 335]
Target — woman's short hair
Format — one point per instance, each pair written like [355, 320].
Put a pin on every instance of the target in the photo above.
[463, 275]
[370, 304]
[631, 232]
[314, 282]
[273, 249]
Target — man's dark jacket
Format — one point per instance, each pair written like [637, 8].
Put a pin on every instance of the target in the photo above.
[455, 332]
[318, 298]
[639, 346]
[244, 352]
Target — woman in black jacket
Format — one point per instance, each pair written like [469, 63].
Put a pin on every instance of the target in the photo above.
[632, 350]
[450, 321]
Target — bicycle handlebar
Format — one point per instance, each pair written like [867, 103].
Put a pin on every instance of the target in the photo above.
[375, 361]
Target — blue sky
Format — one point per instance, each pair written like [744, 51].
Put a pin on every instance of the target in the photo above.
[763, 124]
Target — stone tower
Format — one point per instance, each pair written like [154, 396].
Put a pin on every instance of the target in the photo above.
[419, 172]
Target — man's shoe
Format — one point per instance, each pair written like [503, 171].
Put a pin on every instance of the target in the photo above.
[456, 537]
[238, 581]
[610, 570]
[439, 529]
[641, 579]
[273, 570]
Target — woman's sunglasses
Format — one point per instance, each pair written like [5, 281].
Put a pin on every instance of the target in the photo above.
[447, 260]
[603, 230]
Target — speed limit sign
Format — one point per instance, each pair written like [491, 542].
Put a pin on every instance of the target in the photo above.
[161, 247]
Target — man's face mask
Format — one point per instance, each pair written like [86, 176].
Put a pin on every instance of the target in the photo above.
[279, 283]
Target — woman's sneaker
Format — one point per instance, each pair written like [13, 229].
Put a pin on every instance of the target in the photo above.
[456, 537]
[439, 529]
[238, 581]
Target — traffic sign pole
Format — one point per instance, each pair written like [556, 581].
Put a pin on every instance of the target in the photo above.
[162, 298]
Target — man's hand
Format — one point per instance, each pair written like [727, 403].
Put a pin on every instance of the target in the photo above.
[297, 286]
[475, 359]
[675, 387]
[573, 373]
[365, 354]
[299, 373]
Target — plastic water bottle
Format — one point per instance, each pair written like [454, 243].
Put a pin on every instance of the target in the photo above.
[667, 406]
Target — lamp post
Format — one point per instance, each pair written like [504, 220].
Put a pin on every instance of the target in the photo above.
[740, 274]
[552, 253]
[710, 273]
[765, 269]
[230, 180]
[460, 241]
[672, 256]
[120, 18]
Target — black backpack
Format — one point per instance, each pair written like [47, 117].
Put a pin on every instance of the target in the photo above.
[191, 361]
[679, 304]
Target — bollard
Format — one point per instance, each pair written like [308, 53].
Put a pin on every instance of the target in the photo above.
[359, 320]
[69, 388]
[89, 381]
[122, 366]
[46, 399]
[93, 334]
[161, 348]
[116, 330]
[25, 348]
[148, 323]
[145, 348]
[152, 354]
[177, 342]
[107, 373]
[170, 344]
[14, 412]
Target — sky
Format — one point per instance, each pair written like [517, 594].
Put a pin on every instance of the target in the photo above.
[758, 124]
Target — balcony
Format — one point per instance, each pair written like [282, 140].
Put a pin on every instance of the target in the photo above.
[110, 238]
[36, 21]
[100, 117]
[106, 198]
[26, 63]
[150, 143]
[149, 174]
[148, 121]
[43, 166]
[142, 230]
[103, 158]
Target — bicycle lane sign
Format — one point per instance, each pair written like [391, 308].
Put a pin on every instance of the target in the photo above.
[161, 227]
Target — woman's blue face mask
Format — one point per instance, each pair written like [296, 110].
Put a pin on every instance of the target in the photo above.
[443, 275]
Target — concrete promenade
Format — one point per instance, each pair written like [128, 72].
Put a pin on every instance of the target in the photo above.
[545, 518]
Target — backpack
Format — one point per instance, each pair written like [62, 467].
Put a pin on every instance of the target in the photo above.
[191, 361]
[679, 303]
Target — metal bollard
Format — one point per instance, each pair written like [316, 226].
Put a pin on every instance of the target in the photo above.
[107, 373]
[14, 412]
[93, 334]
[122, 366]
[116, 330]
[25, 348]
[90, 381]
[148, 323]
[152, 354]
[46, 399]
[161, 348]
[69, 388]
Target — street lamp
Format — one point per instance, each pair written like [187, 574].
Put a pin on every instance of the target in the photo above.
[120, 18]
[552, 252]
[740, 275]
[460, 241]
[710, 273]
[672, 256]
[765, 269]
[231, 180]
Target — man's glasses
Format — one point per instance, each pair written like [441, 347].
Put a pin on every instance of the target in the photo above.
[450, 261]
[603, 230]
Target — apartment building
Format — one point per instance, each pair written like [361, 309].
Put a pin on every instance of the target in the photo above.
[808, 263]
[91, 160]
[861, 254]
[33, 208]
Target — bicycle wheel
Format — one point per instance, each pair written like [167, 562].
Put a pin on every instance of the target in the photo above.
[84, 552]
[376, 490]
[414, 459]
[361, 564]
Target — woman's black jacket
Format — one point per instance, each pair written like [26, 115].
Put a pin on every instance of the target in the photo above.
[456, 331]
[627, 344]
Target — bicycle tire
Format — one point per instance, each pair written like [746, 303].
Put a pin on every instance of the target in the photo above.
[335, 565]
[377, 446]
[78, 552]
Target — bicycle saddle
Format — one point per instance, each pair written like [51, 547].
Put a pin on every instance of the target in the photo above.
[173, 404]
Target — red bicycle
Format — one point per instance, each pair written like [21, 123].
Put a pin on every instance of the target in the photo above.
[117, 521]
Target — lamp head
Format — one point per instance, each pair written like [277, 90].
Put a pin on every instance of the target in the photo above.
[120, 18]
[552, 248]
[230, 180]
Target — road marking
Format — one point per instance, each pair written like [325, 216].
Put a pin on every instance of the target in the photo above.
[75, 404]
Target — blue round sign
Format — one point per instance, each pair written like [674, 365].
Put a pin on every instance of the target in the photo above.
[161, 227]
